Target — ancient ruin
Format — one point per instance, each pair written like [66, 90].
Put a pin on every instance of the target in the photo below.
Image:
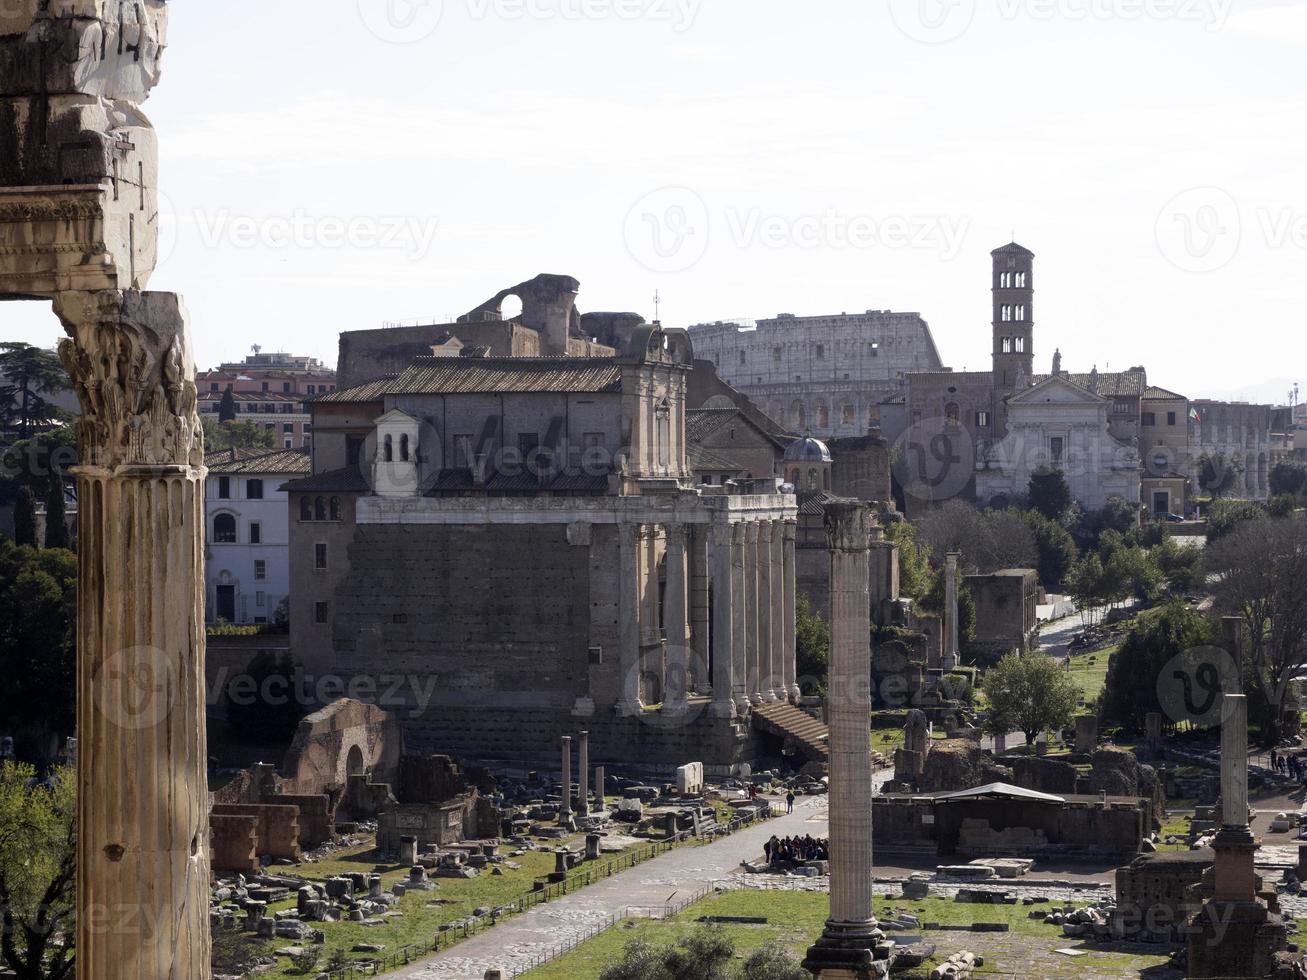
[79, 219]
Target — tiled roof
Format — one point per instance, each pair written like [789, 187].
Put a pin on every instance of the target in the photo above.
[703, 458]
[232, 461]
[700, 423]
[452, 376]
[1111, 384]
[370, 391]
[813, 503]
[350, 479]
[1155, 393]
[1013, 248]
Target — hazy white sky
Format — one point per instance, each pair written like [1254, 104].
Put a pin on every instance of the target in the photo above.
[333, 164]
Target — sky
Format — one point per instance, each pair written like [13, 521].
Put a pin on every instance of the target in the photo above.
[329, 165]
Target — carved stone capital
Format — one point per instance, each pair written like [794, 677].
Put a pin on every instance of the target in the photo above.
[130, 362]
[848, 525]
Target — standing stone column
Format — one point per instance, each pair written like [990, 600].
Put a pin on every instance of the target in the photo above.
[600, 803]
[741, 629]
[789, 530]
[676, 621]
[565, 808]
[845, 948]
[583, 775]
[767, 679]
[142, 796]
[700, 576]
[951, 651]
[723, 656]
[628, 616]
[753, 648]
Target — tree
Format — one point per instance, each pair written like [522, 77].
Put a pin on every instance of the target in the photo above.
[1136, 670]
[1179, 564]
[25, 518]
[1086, 584]
[56, 520]
[935, 601]
[1288, 478]
[38, 858]
[37, 462]
[1225, 515]
[703, 955]
[773, 962]
[1055, 547]
[1259, 571]
[264, 708]
[987, 540]
[1050, 494]
[1028, 694]
[27, 373]
[38, 600]
[237, 435]
[227, 407]
[1218, 473]
[916, 577]
[812, 647]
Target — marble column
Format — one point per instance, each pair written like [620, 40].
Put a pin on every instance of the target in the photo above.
[845, 948]
[565, 808]
[741, 629]
[600, 804]
[628, 614]
[723, 656]
[142, 797]
[951, 650]
[789, 532]
[766, 678]
[776, 603]
[700, 576]
[752, 648]
[676, 620]
[583, 775]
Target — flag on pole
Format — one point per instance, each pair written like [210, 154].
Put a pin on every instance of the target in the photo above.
[1194, 416]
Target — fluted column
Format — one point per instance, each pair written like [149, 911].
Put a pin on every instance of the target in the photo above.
[753, 649]
[789, 532]
[723, 663]
[776, 604]
[845, 948]
[676, 619]
[142, 800]
[741, 630]
[628, 614]
[767, 680]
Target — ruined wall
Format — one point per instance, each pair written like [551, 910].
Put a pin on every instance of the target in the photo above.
[903, 821]
[507, 624]
[346, 736]
[233, 842]
[861, 468]
[1006, 610]
[367, 354]
[1080, 829]
[1152, 889]
[276, 827]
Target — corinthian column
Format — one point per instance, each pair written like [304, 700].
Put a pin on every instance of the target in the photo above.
[776, 605]
[628, 619]
[676, 619]
[741, 629]
[845, 947]
[142, 792]
[788, 533]
[753, 650]
[723, 666]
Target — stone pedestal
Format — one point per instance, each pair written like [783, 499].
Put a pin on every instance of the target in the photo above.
[847, 945]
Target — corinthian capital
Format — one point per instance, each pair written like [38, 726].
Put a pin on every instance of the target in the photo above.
[130, 363]
[848, 525]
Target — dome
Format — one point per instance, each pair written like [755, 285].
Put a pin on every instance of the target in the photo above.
[807, 450]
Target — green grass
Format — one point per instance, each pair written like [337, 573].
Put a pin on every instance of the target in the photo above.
[795, 919]
[1091, 678]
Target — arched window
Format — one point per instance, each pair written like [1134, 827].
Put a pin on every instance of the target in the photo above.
[952, 413]
[306, 509]
[388, 450]
[812, 479]
[823, 417]
[846, 414]
[799, 416]
[224, 529]
[335, 508]
[319, 509]
[403, 448]
[825, 479]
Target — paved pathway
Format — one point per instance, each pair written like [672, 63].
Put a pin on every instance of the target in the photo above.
[672, 877]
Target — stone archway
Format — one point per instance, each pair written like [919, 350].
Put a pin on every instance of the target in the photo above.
[354, 762]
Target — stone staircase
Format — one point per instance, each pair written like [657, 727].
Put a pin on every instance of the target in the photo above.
[786, 721]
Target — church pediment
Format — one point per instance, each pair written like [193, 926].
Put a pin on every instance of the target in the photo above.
[1056, 391]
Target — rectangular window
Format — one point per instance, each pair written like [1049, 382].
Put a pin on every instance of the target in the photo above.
[982, 420]
[214, 386]
[776, 355]
[287, 428]
[353, 449]
[224, 488]
[1056, 449]
[1007, 345]
[1020, 344]
[1170, 418]
[320, 555]
[256, 532]
[260, 599]
[254, 489]
[399, 619]
[265, 386]
[312, 389]
[260, 570]
[1149, 418]
[319, 612]
[285, 387]
[821, 352]
[744, 357]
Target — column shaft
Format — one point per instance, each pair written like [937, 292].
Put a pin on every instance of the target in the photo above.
[628, 614]
[789, 533]
[776, 603]
[767, 679]
[753, 649]
[741, 630]
[676, 619]
[565, 810]
[583, 775]
[700, 576]
[723, 657]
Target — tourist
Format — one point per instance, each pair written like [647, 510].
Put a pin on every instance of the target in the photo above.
[789, 802]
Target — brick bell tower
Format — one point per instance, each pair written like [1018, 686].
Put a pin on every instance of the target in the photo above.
[1014, 324]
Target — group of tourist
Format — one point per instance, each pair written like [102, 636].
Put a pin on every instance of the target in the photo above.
[796, 850]
[1289, 765]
